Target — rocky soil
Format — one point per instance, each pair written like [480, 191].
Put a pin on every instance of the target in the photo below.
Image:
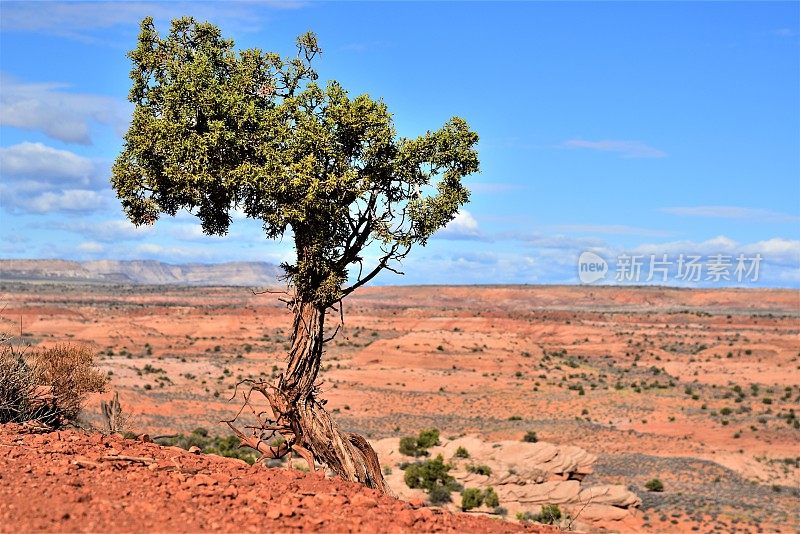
[73, 481]
[526, 476]
[697, 388]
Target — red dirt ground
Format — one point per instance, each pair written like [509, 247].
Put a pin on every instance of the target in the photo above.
[68, 481]
[698, 388]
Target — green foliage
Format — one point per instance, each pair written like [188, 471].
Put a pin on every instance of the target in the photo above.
[480, 469]
[215, 130]
[654, 485]
[409, 447]
[490, 498]
[461, 452]
[471, 498]
[439, 495]
[550, 514]
[417, 446]
[428, 438]
[227, 446]
[474, 497]
[428, 474]
[432, 476]
[530, 437]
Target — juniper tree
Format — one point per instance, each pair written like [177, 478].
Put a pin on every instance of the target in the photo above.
[216, 130]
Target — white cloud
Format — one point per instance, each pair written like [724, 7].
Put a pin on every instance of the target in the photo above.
[472, 257]
[40, 179]
[776, 250]
[108, 230]
[561, 242]
[194, 232]
[62, 115]
[732, 212]
[67, 200]
[614, 229]
[36, 160]
[628, 149]
[463, 227]
[719, 244]
[92, 247]
[79, 20]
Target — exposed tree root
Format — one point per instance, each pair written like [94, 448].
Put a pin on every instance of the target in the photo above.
[307, 429]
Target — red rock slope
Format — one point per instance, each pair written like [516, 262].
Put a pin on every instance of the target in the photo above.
[72, 481]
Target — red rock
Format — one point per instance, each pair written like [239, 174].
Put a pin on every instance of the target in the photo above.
[203, 480]
[363, 501]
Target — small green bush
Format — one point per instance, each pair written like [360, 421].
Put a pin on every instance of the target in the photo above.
[471, 498]
[530, 437]
[654, 485]
[549, 515]
[417, 446]
[227, 446]
[461, 452]
[490, 498]
[439, 495]
[409, 447]
[428, 438]
[428, 474]
[432, 476]
[480, 469]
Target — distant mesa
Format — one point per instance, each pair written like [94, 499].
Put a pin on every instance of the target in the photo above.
[142, 272]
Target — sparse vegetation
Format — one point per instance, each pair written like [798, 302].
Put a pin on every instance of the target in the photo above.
[434, 477]
[418, 446]
[47, 386]
[530, 437]
[484, 470]
[550, 514]
[654, 485]
[227, 446]
[475, 497]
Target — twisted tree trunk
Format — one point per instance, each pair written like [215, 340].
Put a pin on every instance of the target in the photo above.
[294, 402]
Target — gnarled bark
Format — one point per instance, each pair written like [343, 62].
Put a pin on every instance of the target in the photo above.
[302, 419]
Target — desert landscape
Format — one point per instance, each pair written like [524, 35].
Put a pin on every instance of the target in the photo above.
[694, 388]
[399, 267]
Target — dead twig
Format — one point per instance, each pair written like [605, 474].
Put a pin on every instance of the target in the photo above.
[123, 458]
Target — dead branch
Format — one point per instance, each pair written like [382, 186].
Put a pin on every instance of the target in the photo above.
[123, 458]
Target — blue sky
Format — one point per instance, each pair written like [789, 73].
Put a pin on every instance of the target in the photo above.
[620, 128]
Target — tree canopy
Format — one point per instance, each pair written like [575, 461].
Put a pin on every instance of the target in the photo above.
[215, 130]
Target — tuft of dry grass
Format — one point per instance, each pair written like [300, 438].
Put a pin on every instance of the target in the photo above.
[46, 385]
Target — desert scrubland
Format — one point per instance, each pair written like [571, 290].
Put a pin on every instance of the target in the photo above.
[697, 388]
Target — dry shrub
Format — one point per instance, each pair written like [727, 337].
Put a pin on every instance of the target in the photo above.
[18, 391]
[70, 373]
[46, 385]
